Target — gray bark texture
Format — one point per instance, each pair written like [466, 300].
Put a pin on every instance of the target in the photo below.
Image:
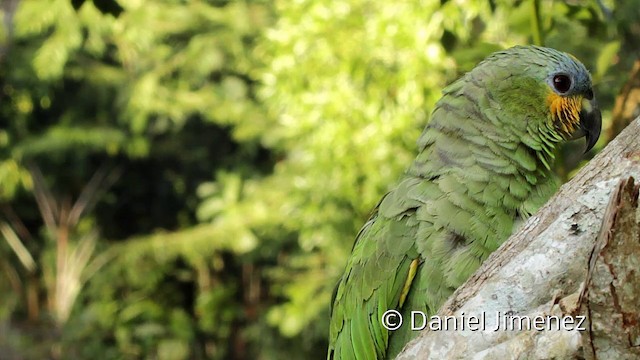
[568, 281]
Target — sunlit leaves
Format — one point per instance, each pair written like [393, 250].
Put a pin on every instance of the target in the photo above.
[12, 177]
[349, 88]
[61, 138]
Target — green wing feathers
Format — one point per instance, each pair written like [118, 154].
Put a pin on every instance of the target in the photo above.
[372, 284]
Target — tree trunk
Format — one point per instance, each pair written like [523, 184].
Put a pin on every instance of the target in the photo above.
[568, 281]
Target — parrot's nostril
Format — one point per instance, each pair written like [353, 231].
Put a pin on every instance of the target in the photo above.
[589, 94]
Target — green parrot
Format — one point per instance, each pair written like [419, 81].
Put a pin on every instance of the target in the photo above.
[484, 162]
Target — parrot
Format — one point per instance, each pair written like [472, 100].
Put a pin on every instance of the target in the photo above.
[483, 165]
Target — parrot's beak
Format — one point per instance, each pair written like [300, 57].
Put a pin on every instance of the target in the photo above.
[590, 122]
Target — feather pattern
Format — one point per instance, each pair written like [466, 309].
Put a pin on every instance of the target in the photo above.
[483, 162]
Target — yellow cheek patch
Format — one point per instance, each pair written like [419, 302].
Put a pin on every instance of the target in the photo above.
[565, 112]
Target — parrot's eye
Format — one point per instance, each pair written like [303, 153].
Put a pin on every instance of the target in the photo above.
[562, 83]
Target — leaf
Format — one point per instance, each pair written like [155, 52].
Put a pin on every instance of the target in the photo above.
[18, 247]
[606, 58]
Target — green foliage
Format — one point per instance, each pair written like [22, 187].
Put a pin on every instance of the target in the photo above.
[253, 140]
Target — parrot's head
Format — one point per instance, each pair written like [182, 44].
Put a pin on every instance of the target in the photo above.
[549, 90]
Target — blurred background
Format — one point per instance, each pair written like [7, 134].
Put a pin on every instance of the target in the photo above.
[184, 179]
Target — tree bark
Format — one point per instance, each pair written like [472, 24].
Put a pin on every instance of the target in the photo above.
[568, 281]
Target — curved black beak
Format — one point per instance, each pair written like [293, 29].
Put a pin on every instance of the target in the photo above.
[590, 122]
